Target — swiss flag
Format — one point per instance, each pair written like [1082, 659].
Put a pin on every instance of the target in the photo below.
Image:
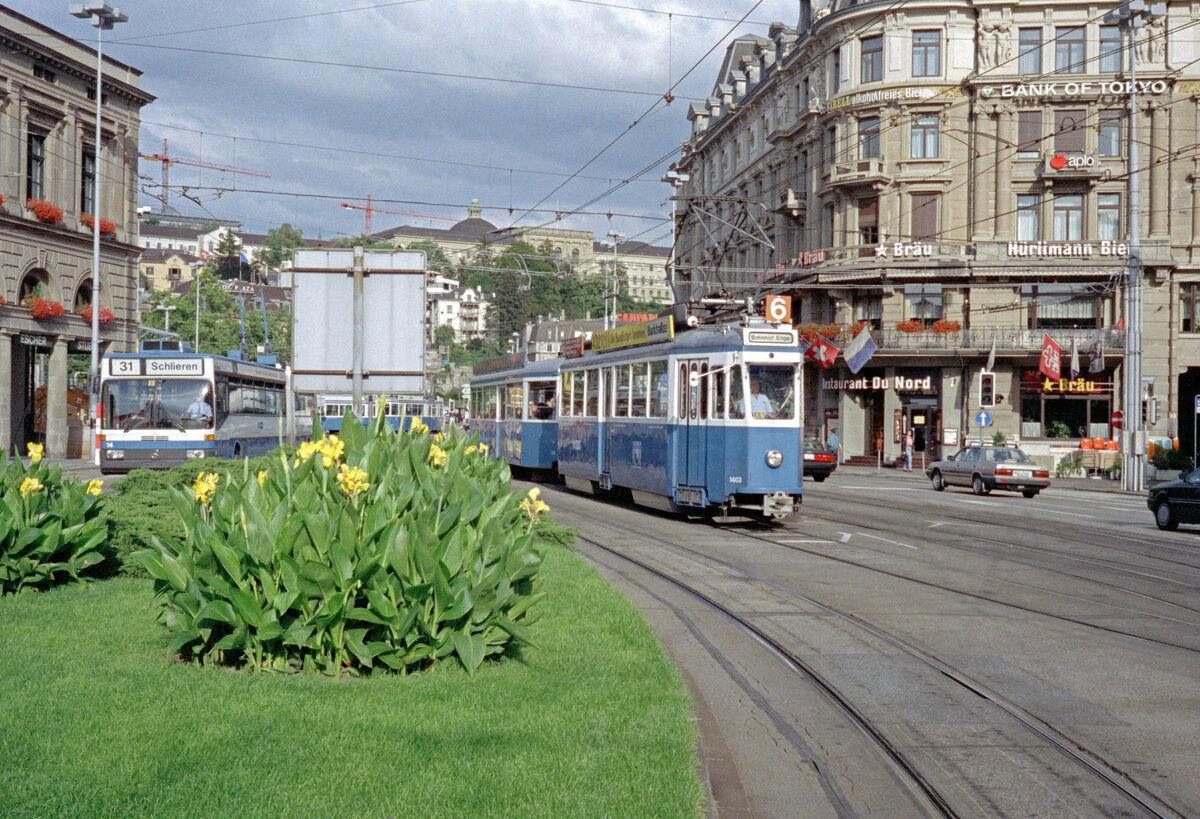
[1050, 364]
[822, 351]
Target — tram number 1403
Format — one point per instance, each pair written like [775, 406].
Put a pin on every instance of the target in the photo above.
[735, 478]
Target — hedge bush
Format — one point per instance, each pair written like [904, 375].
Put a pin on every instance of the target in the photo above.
[376, 551]
[51, 529]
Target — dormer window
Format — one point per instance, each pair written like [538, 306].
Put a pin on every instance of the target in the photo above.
[43, 73]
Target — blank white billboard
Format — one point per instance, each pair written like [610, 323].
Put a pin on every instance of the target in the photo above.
[393, 321]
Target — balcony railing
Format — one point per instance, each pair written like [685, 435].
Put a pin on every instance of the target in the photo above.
[858, 171]
[1008, 339]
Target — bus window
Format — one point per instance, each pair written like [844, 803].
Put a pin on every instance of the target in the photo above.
[737, 407]
[658, 389]
[621, 409]
[577, 392]
[514, 401]
[640, 389]
[541, 400]
[593, 394]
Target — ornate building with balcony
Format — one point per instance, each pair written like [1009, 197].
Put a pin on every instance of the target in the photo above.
[954, 176]
[51, 168]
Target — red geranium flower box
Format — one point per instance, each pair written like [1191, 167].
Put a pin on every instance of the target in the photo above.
[944, 326]
[85, 310]
[911, 326]
[47, 212]
[105, 225]
[41, 309]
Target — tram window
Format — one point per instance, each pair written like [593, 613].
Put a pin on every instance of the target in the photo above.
[541, 400]
[514, 401]
[621, 410]
[683, 391]
[489, 407]
[737, 407]
[704, 381]
[593, 393]
[577, 392]
[693, 393]
[777, 384]
[638, 390]
[658, 389]
[564, 395]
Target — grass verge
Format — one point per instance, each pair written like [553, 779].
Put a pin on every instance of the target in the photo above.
[98, 721]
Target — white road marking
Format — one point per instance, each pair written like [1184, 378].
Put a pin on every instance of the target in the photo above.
[845, 537]
[805, 541]
[936, 525]
[893, 542]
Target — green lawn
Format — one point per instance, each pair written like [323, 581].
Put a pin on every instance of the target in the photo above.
[96, 721]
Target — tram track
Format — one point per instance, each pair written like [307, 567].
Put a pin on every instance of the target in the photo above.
[1113, 776]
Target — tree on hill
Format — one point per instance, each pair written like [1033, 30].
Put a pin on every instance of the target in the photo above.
[228, 258]
[365, 242]
[279, 243]
[435, 258]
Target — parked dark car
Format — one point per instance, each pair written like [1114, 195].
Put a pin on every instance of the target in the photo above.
[819, 459]
[984, 468]
[1177, 502]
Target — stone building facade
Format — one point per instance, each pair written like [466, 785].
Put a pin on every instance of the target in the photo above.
[48, 153]
[954, 176]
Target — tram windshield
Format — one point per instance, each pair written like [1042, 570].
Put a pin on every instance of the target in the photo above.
[180, 404]
[771, 392]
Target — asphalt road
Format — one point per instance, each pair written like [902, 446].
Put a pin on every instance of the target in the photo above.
[901, 652]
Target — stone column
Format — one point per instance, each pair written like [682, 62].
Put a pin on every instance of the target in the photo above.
[985, 159]
[1005, 202]
[7, 422]
[1160, 185]
[56, 400]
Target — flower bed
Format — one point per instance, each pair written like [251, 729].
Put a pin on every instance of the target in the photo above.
[85, 310]
[43, 309]
[47, 212]
[106, 226]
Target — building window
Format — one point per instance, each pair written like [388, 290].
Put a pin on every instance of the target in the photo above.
[1068, 217]
[868, 138]
[1189, 307]
[835, 71]
[174, 274]
[803, 96]
[87, 182]
[927, 53]
[1109, 141]
[1108, 217]
[1029, 50]
[1029, 134]
[35, 164]
[872, 58]
[925, 137]
[924, 216]
[923, 302]
[869, 310]
[1110, 49]
[1028, 218]
[1061, 306]
[43, 73]
[831, 144]
[827, 226]
[868, 221]
[1069, 50]
[1069, 131]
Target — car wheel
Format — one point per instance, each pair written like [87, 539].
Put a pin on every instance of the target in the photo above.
[819, 478]
[1164, 516]
[939, 485]
[978, 486]
[1029, 493]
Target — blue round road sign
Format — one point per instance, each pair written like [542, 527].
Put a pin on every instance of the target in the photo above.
[984, 418]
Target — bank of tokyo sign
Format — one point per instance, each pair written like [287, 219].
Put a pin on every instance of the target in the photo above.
[1085, 88]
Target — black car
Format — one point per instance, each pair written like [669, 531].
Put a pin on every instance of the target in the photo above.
[1177, 502]
[819, 459]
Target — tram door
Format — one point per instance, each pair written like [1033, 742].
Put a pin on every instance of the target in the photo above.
[692, 442]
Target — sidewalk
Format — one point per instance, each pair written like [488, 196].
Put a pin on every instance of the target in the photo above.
[917, 476]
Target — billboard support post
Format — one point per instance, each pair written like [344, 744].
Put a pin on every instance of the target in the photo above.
[357, 353]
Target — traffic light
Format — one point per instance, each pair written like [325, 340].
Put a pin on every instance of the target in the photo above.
[987, 389]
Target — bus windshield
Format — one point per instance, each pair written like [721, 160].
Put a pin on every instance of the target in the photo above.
[157, 403]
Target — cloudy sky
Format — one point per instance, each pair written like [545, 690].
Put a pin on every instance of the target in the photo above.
[424, 104]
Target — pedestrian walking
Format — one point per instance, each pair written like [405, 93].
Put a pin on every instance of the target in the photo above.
[834, 443]
[908, 446]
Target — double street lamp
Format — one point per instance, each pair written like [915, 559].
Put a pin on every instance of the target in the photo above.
[103, 17]
[617, 238]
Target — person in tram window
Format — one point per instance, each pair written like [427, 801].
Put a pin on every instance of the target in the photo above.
[760, 404]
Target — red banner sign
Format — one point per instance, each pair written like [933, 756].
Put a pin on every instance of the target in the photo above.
[1050, 364]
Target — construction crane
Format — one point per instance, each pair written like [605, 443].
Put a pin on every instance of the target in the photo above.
[167, 162]
[370, 209]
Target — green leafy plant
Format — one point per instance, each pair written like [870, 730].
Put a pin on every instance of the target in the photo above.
[1113, 471]
[1172, 460]
[999, 438]
[50, 529]
[1069, 466]
[376, 551]
[1059, 430]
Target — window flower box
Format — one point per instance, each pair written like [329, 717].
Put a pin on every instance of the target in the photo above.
[944, 326]
[85, 310]
[43, 309]
[106, 227]
[910, 326]
[46, 212]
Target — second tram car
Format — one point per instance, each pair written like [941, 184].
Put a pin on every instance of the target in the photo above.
[708, 419]
[515, 411]
[397, 411]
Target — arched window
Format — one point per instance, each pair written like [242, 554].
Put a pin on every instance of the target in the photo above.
[83, 295]
[575, 256]
[35, 281]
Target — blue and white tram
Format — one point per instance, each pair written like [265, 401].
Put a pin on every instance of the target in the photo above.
[514, 410]
[706, 420]
[397, 411]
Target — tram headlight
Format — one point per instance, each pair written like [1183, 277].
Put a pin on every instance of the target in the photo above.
[774, 458]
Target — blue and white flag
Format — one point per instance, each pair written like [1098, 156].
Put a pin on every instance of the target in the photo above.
[244, 259]
[1074, 360]
[860, 350]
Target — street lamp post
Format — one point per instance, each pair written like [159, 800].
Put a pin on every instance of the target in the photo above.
[103, 17]
[676, 180]
[616, 237]
[1130, 16]
[166, 308]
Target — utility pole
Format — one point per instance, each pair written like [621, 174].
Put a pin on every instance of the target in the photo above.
[1130, 16]
[166, 308]
[616, 237]
[676, 180]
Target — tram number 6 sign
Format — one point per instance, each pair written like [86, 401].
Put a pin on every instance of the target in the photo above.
[778, 309]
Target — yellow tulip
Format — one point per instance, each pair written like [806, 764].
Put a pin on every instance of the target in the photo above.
[352, 480]
[36, 451]
[30, 486]
[95, 487]
[262, 477]
[205, 486]
[437, 455]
